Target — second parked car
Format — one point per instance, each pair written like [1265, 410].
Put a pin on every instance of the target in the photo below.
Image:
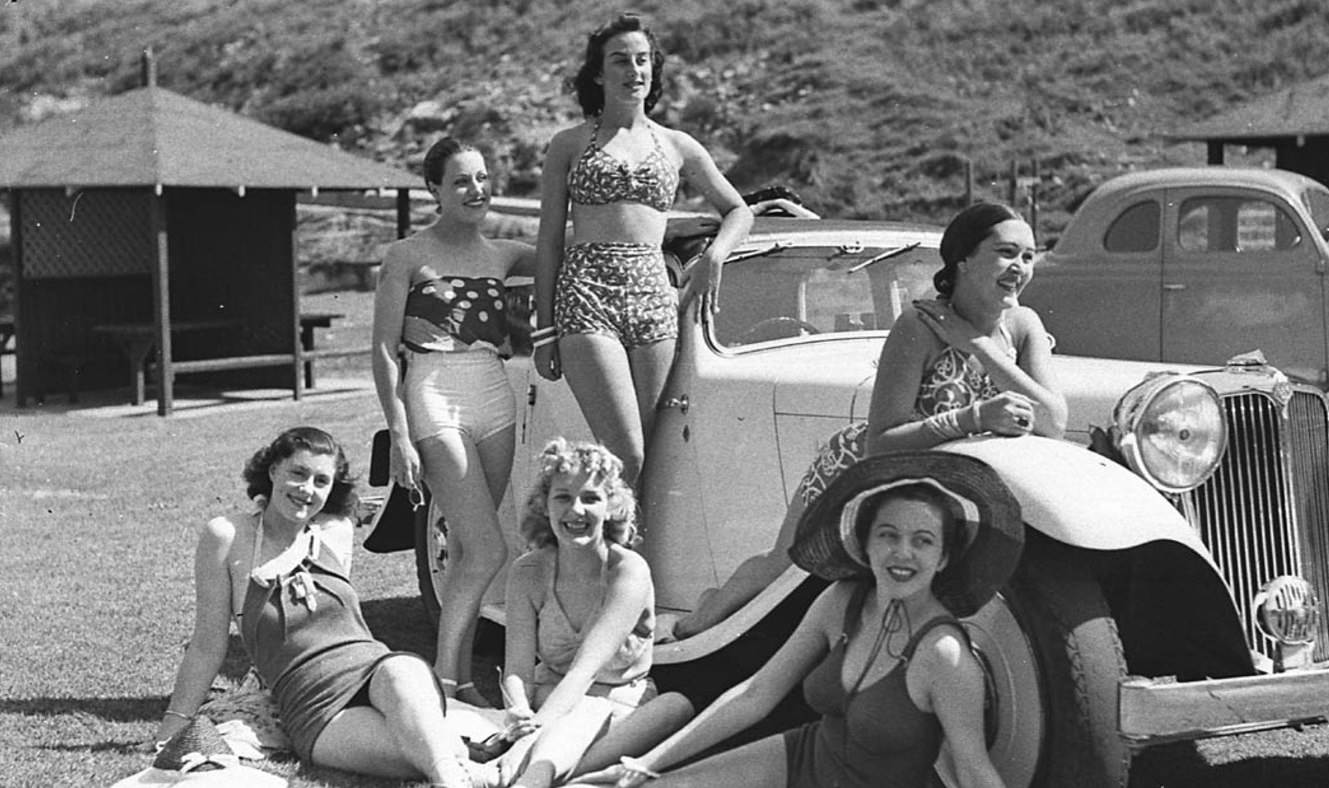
[1191, 264]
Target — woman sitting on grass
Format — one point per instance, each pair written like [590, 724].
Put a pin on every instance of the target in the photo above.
[580, 619]
[281, 571]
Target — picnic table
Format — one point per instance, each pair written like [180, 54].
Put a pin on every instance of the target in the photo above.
[137, 340]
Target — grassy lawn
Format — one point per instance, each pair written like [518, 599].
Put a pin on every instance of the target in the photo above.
[96, 588]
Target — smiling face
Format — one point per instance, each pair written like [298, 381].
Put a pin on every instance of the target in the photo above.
[904, 545]
[463, 192]
[625, 73]
[301, 484]
[578, 505]
[1002, 265]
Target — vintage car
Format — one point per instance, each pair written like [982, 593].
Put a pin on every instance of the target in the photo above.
[1185, 264]
[1169, 580]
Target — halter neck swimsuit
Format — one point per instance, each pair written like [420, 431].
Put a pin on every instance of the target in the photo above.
[598, 178]
[874, 736]
[307, 638]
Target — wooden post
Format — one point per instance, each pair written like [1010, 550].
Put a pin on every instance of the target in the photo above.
[161, 303]
[403, 213]
[297, 368]
[148, 68]
[968, 181]
[1033, 200]
[1215, 151]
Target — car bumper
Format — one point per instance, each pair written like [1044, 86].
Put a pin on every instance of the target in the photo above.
[1158, 711]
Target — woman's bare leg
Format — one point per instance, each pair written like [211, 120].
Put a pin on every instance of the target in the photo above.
[455, 474]
[402, 734]
[758, 764]
[599, 373]
[647, 726]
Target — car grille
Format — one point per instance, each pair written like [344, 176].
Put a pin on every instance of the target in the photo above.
[1265, 511]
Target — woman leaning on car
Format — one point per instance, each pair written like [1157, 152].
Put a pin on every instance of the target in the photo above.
[973, 361]
[607, 313]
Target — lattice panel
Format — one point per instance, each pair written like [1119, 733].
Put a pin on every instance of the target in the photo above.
[94, 232]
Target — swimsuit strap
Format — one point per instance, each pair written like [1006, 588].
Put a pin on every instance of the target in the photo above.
[927, 627]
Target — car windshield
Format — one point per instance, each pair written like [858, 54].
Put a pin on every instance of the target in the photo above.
[798, 291]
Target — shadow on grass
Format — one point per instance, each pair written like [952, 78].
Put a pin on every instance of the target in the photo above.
[108, 709]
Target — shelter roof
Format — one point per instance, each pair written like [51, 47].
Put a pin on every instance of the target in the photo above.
[1300, 110]
[154, 137]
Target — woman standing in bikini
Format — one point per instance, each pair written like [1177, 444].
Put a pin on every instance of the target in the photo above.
[607, 314]
[451, 416]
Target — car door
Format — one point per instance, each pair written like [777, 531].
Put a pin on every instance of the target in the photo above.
[1241, 273]
[1097, 291]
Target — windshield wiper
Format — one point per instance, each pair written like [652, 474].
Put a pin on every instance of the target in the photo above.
[778, 246]
[886, 255]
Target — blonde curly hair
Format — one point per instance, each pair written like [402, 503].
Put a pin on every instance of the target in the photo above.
[562, 456]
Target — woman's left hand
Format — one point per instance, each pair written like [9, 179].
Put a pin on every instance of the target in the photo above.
[702, 280]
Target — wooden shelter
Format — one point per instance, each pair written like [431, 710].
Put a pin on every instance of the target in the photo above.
[151, 231]
[1293, 121]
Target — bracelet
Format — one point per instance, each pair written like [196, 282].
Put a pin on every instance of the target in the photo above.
[542, 341]
[945, 425]
[174, 713]
[547, 331]
[634, 766]
[977, 413]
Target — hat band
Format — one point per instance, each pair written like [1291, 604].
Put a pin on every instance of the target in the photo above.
[849, 514]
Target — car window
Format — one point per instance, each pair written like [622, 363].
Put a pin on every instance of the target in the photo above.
[803, 291]
[1136, 229]
[1235, 224]
[1317, 200]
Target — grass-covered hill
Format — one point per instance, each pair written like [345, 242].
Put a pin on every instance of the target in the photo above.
[865, 107]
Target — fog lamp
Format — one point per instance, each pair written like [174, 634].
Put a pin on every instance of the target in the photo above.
[1287, 610]
[1170, 429]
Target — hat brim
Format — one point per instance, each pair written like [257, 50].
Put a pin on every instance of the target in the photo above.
[824, 547]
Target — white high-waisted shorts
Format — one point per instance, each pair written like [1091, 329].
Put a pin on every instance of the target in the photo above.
[466, 391]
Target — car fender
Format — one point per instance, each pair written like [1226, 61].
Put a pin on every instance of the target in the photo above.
[1081, 498]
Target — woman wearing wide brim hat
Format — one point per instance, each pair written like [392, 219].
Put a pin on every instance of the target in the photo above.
[913, 540]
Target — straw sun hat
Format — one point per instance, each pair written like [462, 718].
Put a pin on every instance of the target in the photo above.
[991, 532]
[198, 756]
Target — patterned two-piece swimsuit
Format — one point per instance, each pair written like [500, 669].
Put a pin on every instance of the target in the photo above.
[616, 288]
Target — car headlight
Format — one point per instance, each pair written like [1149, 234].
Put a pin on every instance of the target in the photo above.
[1170, 429]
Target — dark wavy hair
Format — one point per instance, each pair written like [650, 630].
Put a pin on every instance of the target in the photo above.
[590, 94]
[342, 500]
[951, 513]
[562, 456]
[963, 235]
[436, 160]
